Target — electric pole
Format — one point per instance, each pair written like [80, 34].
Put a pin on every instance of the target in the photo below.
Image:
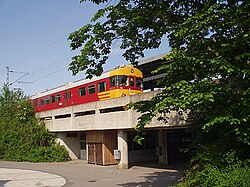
[8, 76]
[17, 80]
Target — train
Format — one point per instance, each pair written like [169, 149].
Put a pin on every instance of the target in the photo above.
[119, 82]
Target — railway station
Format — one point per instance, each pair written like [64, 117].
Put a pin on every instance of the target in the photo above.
[102, 132]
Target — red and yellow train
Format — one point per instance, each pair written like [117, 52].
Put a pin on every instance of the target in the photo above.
[119, 82]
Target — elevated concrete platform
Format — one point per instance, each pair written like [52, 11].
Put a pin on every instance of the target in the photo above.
[103, 115]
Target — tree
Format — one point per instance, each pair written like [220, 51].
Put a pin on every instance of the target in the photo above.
[23, 137]
[208, 76]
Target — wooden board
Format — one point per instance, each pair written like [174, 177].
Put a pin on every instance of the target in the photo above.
[95, 155]
[105, 153]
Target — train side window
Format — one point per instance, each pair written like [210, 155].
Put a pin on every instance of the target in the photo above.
[102, 86]
[113, 81]
[47, 100]
[82, 91]
[41, 102]
[91, 89]
[52, 99]
[58, 97]
[139, 82]
[132, 82]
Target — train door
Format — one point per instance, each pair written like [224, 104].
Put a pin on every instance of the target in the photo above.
[66, 98]
[95, 153]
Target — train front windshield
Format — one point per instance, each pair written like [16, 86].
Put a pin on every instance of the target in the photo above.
[122, 80]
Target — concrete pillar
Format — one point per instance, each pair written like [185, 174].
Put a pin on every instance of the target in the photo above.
[123, 148]
[162, 142]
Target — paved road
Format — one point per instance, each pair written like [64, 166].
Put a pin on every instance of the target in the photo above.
[29, 178]
[79, 173]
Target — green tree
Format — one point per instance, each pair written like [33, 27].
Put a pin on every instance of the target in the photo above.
[23, 137]
[208, 76]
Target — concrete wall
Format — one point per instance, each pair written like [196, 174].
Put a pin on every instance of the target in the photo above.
[72, 144]
[142, 155]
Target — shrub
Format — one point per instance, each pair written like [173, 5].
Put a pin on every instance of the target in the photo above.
[232, 176]
[23, 137]
[53, 153]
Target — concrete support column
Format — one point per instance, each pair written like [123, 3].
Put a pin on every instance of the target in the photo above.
[123, 148]
[162, 142]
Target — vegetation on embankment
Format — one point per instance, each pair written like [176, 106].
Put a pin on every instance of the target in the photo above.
[23, 137]
[230, 172]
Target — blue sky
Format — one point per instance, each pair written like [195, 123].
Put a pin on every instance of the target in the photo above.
[33, 40]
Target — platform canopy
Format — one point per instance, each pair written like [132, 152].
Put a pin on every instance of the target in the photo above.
[147, 66]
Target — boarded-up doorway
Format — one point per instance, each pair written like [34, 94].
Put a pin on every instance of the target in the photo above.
[101, 146]
[95, 153]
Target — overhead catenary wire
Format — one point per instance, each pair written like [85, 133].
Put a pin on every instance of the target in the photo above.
[11, 71]
[17, 80]
[47, 66]
[50, 74]
[45, 76]
[30, 74]
[37, 51]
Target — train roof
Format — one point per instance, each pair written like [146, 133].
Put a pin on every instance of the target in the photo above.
[69, 85]
[76, 83]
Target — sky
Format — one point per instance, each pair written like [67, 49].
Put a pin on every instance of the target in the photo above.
[34, 45]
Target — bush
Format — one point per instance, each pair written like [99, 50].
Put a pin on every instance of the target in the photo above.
[53, 153]
[239, 177]
[23, 137]
[232, 176]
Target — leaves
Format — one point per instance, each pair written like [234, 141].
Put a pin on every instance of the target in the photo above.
[209, 69]
[23, 137]
[123, 24]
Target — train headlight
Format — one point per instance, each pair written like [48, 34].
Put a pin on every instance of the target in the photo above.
[123, 94]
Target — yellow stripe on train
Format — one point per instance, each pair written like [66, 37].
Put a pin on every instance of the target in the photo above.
[104, 95]
[117, 93]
